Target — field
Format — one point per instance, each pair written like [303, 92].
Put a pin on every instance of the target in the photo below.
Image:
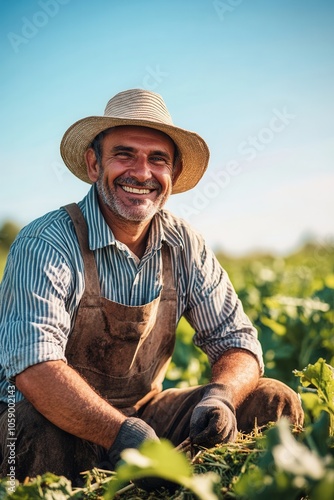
[291, 302]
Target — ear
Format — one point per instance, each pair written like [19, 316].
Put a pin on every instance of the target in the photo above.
[177, 170]
[93, 168]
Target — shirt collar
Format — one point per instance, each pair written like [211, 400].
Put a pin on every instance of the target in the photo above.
[100, 235]
[165, 224]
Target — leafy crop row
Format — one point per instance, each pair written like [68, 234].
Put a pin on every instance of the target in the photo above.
[291, 302]
[278, 463]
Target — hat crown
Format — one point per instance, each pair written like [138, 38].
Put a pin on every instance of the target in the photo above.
[138, 104]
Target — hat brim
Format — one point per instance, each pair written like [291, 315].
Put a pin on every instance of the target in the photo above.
[193, 149]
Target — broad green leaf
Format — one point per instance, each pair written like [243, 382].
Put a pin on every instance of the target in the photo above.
[288, 469]
[161, 460]
[317, 435]
[294, 457]
[202, 485]
[159, 457]
[321, 376]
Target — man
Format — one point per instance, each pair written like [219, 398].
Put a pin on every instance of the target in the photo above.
[91, 297]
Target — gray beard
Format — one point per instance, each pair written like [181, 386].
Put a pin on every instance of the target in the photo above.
[109, 198]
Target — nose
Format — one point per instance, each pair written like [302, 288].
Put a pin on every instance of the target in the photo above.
[141, 169]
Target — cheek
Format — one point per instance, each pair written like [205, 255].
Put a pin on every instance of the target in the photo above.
[108, 175]
[112, 172]
[165, 180]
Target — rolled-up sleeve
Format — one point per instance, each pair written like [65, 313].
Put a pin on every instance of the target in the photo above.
[214, 309]
[34, 322]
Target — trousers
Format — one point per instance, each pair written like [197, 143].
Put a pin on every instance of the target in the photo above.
[42, 447]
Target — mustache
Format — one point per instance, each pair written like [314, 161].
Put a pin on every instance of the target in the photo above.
[130, 181]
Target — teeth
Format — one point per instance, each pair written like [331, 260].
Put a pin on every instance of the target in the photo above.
[129, 189]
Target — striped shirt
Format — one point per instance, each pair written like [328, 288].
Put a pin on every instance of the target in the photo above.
[44, 282]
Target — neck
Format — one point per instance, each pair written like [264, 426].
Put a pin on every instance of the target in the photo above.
[133, 234]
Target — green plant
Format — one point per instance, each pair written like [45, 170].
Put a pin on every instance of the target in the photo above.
[303, 466]
[290, 300]
[320, 378]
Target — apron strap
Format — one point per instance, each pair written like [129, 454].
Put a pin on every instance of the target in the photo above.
[92, 283]
[167, 270]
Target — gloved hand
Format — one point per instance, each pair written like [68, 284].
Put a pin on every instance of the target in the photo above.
[132, 434]
[213, 419]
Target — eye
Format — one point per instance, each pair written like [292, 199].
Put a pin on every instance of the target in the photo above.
[123, 154]
[161, 160]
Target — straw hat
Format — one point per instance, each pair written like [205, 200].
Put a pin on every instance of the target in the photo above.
[143, 108]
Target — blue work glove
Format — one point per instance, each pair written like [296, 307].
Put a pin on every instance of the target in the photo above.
[132, 434]
[213, 419]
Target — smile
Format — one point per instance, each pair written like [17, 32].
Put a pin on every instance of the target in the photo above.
[134, 190]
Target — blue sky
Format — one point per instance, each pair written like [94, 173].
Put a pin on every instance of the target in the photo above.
[255, 78]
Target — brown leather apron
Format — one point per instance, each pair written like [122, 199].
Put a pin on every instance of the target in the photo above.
[122, 351]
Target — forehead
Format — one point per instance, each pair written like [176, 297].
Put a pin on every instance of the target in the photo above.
[139, 136]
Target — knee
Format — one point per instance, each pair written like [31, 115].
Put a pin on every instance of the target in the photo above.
[270, 401]
[33, 430]
[283, 401]
[30, 421]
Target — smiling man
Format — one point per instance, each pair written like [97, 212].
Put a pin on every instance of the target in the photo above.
[91, 297]
[133, 173]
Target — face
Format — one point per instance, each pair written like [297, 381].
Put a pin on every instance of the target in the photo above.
[136, 173]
